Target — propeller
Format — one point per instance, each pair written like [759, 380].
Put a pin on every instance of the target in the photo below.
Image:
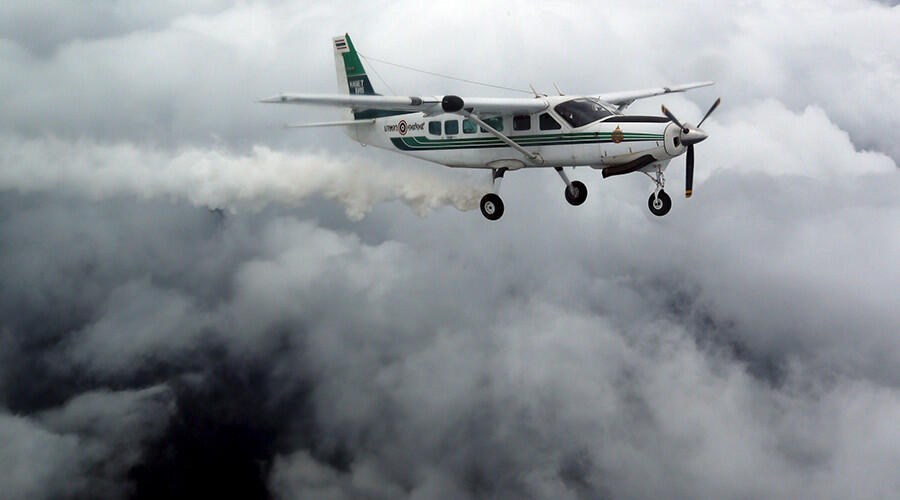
[689, 172]
[690, 136]
[711, 109]
[669, 114]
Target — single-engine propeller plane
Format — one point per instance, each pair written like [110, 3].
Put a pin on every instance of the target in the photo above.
[506, 134]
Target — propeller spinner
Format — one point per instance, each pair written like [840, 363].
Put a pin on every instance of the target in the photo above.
[689, 136]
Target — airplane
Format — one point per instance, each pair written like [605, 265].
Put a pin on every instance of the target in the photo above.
[508, 134]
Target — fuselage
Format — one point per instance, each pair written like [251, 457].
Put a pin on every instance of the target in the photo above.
[558, 134]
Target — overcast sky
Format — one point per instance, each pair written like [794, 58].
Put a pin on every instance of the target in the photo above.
[196, 302]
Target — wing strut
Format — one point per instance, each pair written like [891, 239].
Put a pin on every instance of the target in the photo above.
[535, 157]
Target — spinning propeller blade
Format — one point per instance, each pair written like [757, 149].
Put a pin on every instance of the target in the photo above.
[672, 117]
[689, 172]
[711, 109]
[690, 136]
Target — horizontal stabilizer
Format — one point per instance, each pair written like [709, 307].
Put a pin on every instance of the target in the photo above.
[413, 104]
[339, 123]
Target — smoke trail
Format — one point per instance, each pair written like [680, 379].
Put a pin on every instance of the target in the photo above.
[220, 179]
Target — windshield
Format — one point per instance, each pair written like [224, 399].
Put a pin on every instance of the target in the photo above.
[582, 111]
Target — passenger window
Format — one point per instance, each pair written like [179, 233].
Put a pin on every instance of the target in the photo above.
[469, 127]
[522, 122]
[495, 123]
[434, 128]
[548, 122]
[451, 127]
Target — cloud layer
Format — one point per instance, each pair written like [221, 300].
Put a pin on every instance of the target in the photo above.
[286, 347]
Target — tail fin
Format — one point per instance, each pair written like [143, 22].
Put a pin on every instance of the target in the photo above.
[351, 75]
[352, 79]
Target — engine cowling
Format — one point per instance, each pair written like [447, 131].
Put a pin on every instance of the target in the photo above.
[452, 103]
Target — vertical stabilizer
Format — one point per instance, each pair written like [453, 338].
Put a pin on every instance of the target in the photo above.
[353, 80]
[351, 75]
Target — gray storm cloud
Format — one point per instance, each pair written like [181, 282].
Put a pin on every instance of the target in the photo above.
[744, 346]
[82, 448]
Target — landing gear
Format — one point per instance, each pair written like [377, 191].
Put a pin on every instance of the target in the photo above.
[659, 203]
[491, 206]
[576, 191]
[579, 195]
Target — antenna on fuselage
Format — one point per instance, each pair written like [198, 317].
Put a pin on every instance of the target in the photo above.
[536, 94]
[557, 89]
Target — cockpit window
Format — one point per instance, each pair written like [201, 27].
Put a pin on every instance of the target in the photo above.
[579, 112]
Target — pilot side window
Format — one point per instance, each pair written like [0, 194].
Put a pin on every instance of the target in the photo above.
[495, 123]
[451, 127]
[580, 112]
[522, 122]
[547, 122]
[434, 128]
[469, 127]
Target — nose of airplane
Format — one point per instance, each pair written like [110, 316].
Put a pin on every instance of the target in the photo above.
[693, 136]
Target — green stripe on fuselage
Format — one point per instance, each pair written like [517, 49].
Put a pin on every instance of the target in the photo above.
[377, 113]
[422, 143]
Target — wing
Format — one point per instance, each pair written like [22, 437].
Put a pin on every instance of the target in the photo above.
[627, 97]
[428, 105]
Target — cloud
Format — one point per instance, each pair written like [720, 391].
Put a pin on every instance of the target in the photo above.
[171, 325]
[35, 460]
[767, 137]
[184, 77]
[742, 346]
[433, 370]
[219, 179]
[27, 24]
[82, 448]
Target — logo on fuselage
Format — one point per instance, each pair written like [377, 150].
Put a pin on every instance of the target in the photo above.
[402, 127]
[617, 135]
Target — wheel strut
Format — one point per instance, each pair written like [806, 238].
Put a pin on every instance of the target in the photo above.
[658, 178]
[576, 191]
[491, 203]
[497, 177]
[565, 178]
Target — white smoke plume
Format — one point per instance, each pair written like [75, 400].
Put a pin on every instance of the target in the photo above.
[221, 179]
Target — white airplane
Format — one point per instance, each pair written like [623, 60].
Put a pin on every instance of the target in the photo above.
[505, 134]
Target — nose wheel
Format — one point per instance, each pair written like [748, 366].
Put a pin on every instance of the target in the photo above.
[659, 203]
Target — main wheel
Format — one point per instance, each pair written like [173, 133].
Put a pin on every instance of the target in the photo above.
[491, 206]
[660, 204]
[580, 193]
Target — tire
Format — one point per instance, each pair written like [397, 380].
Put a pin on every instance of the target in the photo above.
[580, 193]
[491, 206]
[659, 204]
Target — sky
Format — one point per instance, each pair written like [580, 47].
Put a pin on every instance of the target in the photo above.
[197, 302]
